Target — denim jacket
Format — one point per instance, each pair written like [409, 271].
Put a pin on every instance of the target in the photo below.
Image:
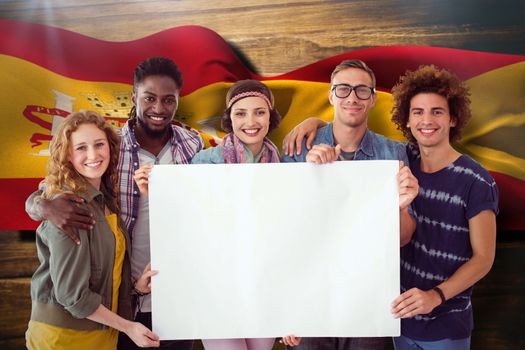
[373, 147]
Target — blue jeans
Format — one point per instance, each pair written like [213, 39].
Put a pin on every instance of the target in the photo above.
[406, 343]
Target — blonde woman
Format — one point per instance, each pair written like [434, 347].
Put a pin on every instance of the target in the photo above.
[81, 294]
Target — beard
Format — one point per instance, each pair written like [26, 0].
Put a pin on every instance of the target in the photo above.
[154, 134]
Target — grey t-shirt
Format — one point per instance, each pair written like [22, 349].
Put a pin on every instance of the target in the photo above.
[347, 155]
[140, 249]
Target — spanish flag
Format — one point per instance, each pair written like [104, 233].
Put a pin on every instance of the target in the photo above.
[48, 72]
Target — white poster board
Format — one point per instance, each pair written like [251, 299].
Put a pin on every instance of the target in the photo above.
[266, 250]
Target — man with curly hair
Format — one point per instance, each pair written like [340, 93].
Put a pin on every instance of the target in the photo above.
[454, 243]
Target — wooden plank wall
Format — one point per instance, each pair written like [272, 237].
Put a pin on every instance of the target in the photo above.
[18, 260]
[275, 37]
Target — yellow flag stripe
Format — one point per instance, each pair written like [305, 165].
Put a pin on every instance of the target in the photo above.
[23, 84]
[497, 102]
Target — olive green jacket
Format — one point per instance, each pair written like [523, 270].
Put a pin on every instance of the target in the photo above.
[72, 281]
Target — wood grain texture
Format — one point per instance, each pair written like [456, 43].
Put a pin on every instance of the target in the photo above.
[279, 36]
[15, 307]
[13, 343]
[18, 254]
[499, 301]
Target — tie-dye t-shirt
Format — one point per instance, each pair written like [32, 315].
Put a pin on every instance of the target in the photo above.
[446, 201]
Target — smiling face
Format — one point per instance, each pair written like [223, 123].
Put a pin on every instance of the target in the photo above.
[250, 118]
[156, 99]
[430, 120]
[89, 152]
[351, 111]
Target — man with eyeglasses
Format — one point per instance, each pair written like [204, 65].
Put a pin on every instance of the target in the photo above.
[352, 94]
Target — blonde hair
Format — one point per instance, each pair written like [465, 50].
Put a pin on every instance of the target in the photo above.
[62, 176]
[354, 63]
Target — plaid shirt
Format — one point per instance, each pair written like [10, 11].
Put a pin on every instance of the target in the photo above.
[184, 145]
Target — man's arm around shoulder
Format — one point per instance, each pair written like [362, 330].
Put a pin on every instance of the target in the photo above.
[63, 211]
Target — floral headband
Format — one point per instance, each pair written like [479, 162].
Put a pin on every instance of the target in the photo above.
[249, 94]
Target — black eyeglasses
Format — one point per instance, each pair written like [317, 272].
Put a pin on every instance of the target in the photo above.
[362, 92]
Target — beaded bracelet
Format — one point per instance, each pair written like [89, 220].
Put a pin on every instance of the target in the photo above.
[138, 292]
[441, 294]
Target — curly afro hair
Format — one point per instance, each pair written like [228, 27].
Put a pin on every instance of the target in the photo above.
[431, 79]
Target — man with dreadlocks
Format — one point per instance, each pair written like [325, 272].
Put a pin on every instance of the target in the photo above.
[148, 137]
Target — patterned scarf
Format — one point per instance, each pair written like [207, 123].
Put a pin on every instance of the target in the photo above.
[233, 150]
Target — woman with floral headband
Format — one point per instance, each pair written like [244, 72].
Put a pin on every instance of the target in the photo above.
[249, 116]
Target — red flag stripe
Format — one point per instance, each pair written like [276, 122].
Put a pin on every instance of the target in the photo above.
[205, 58]
[512, 197]
[390, 62]
[14, 192]
[201, 54]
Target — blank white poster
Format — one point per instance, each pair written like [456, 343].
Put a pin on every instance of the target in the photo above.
[267, 250]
